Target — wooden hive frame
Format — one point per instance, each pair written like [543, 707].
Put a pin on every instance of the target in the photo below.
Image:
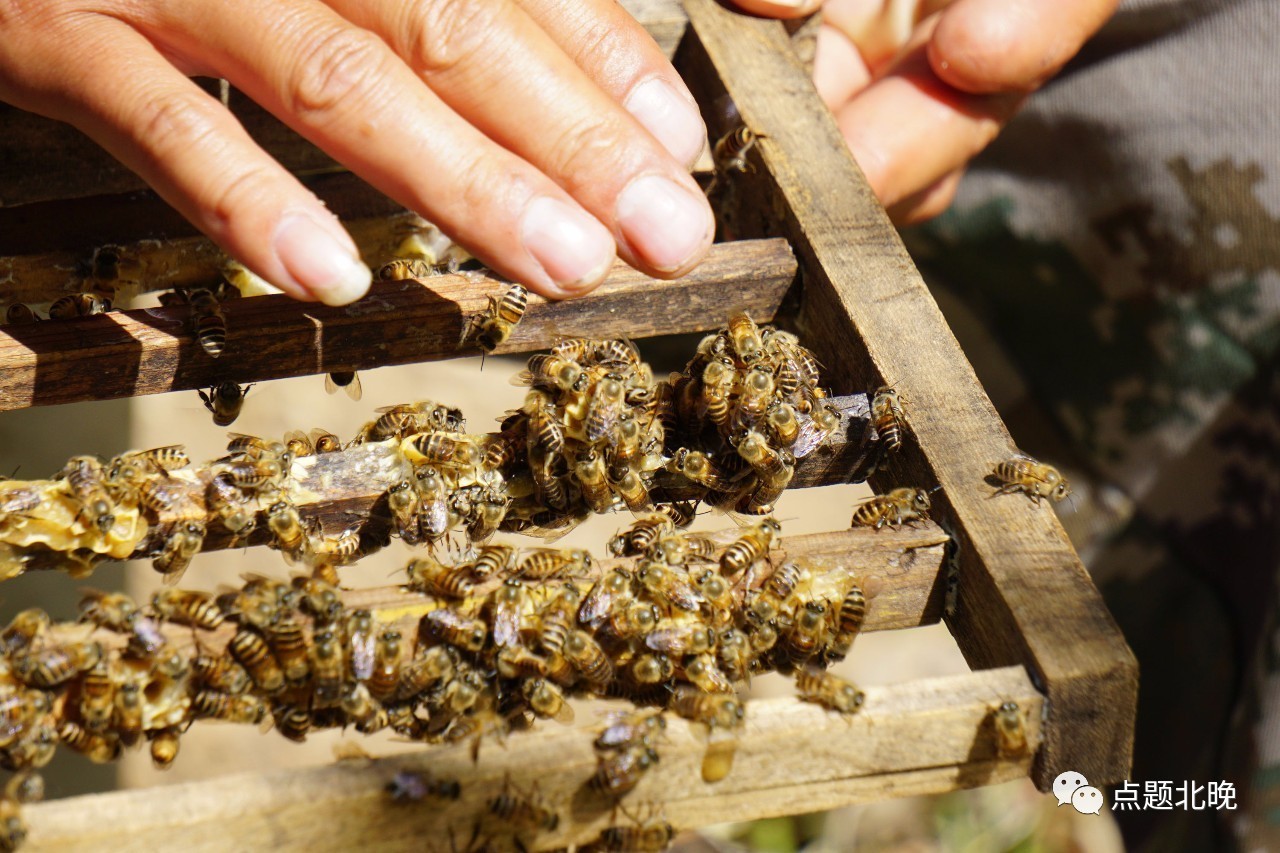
[1006, 582]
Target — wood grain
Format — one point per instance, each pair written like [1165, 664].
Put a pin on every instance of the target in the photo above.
[148, 351]
[921, 737]
[1023, 596]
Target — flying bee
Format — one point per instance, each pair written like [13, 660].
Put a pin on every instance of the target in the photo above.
[898, 507]
[98, 748]
[220, 673]
[604, 408]
[208, 321]
[752, 545]
[18, 314]
[53, 665]
[546, 700]
[243, 708]
[552, 371]
[75, 305]
[590, 473]
[678, 637]
[252, 652]
[853, 611]
[887, 417]
[612, 588]
[500, 320]
[384, 681]
[730, 151]
[225, 400]
[286, 526]
[464, 632]
[585, 655]
[1034, 479]
[114, 611]
[618, 772]
[429, 575]
[164, 748]
[347, 380]
[828, 690]
[547, 563]
[179, 549]
[86, 480]
[1011, 731]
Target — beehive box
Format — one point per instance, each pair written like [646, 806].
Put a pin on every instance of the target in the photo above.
[1000, 573]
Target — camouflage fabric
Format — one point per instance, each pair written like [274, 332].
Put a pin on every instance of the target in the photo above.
[1120, 247]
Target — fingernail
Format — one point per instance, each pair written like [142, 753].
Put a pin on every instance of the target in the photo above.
[670, 117]
[321, 261]
[665, 223]
[571, 246]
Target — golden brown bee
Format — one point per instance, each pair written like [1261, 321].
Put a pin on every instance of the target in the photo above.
[220, 673]
[328, 667]
[164, 748]
[587, 657]
[492, 561]
[114, 611]
[627, 730]
[243, 708]
[293, 722]
[86, 479]
[701, 469]
[207, 321]
[440, 448]
[225, 400]
[772, 466]
[545, 432]
[128, 712]
[754, 544]
[187, 607]
[651, 669]
[669, 585]
[552, 371]
[853, 610]
[348, 381]
[298, 444]
[179, 548]
[651, 835]
[828, 690]
[384, 681]
[97, 697]
[19, 314]
[730, 153]
[171, 457]
[558, 619]
[98, 748]
[898, 507]
[887, 418]
[402, 500]
[286, 526]
[546, 700]
[231, 507]
[429, 575]
[75, 305]
[461, 631]
[621, 770]
[604, 595]
[783, 423]
[1011, 731]
[604, 408]
[428, 668]
[734, 654]
[404, 269]
[496, 325]
[1034, 479]
[718, 379]
[252, 652]
[715, 710]
[718, 595]
[808, 632]
[341, 548]
[678, 637]
[744, 336]
[18, 709]
[507, 610]
[590, 473]
[518, 662]
[633, 491]
[52, 665]
[703, 672]
[547, 563]
[524, 811]
[289, 645]
[256, 448]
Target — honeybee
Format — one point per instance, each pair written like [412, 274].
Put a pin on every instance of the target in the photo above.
[348, 381]
[493, 560]
[829, 690]
[361, 642]
[497, 323]
[627, 730]
[97, 697]
[220, 673]
[552, 371]
[18, 314]
[328, 667]
[242, 708]
[75, 305]
[171, 457]
[558, 619]
[752, 545]
[18, 709]
[633, 491]
[451, 627]
[730, 151]
[86, 479]
[783, 423]
[1011, 731]
[546, 700]
[384, 681]
[808, 632]
[286, 525]
[670, 585]
[179, 549]
[128, 712]
[289, 645]
[53, 665]
[439, 448]
[341, 548]
[604, 408]
[898, 507]
[699, 468]
[647, 669]
[618, 772]
[706, 675]
[590, 473]
[718, 379]
[734, 654]
[546, 563]
[402, 500]
[887, 418]
[187, 607]
[651, 835]
[164, 748]
[231, 507]
[603, 596]
[723, 714]
[431, 576]
[853, 610]
[507, 609]
[404, 269]
[518, 662]
[1034, 479]
[207, 321]
[225, 400]
[252, 652]
[678, 637]
[98, 748]
[114, 611]
[587, 657]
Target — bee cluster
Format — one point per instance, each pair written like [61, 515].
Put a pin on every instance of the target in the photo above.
[507, 637]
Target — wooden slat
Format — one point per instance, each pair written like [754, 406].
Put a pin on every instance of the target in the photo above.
[1023, 596]
[921, 737]
[128, 353]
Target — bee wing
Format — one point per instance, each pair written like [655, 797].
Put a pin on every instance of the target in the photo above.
[353, 388]
[506, 624]
[810, 438]
[684, 596]
[564, 714]
[330, 386]
[666, 640]
[362, 655]
[295, 435]
[524, 378]
[318, 433]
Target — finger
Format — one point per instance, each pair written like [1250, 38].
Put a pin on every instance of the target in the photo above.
[924, 205]
[343, 88]
[501, 72]
[839, 71]
[909, 129]
[984, 46]
[627, 64]
[135, 104]
[779, 8]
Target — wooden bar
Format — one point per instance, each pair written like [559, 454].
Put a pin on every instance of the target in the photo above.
[1022, 594]
[921, 737]
[148, 351]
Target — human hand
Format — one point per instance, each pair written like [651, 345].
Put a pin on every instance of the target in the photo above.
[920, 87]
[537, 134]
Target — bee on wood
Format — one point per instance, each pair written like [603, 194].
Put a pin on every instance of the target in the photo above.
[752, 545]
[164, 748]
[225, 400]
[629, 729]
[619, 771]
[18, 314]
[243, 708]
[1011, 731]
[729, 154]
[699, 468]
[50, 666]
[286, 526]
[898, 507]
[1034, 479]
[75, 305]
[546, 700]
[440, 448]
[343, 548]
[504, 313]
[887, 418]
[722, 714]
[651, 835]
[524, 811]
[402, 500]
[208, 321]
[179, 549]
[346, 380]
[87, 482]
[782, 422]
[404, 269]
[853, 611]
[828, 690]
[231, 507]
[252, 652]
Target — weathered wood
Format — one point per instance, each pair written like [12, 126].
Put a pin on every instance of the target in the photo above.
[1022, 594]
[128, 353]
[921, 737]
